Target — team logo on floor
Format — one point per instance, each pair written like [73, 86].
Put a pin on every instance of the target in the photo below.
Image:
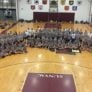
[63, 2]
[71, 2]
[36, 82]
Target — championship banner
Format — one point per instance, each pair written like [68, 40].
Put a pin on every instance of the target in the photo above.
[29, 1]
[40, 7]
[74, 8]
[79, 2]
[71, 2]
[44, 1]
[32, 7]
[63, 2]
[36, 1]
[66, 8]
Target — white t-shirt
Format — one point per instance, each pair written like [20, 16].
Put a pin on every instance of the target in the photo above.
[73, 36]
[90, 35]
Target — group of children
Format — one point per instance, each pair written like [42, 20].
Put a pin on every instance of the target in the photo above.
[66, 40]
[12, 43]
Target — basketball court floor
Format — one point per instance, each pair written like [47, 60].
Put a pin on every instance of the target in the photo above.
[15, 69]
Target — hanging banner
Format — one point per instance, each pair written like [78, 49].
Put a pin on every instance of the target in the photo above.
[40, 7]
[71, 2]
[32, 7]
[66, 8]
[63, 2]
[36, 1]
[74, 8]
[44, 1]
[29, 1]
[79, 2]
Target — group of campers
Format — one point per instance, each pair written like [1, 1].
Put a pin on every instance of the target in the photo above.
[12, 43]
[59, 41]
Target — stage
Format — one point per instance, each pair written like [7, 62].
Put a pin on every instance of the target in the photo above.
[52, 25]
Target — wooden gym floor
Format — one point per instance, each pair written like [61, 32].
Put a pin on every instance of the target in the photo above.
[14, 69]
[10, 22]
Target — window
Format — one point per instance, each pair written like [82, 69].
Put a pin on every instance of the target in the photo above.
[1, 3]
[9, 3]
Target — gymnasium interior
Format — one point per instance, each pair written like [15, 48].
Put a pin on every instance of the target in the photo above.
[45, 45]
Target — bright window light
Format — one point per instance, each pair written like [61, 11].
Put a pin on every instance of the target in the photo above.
[6, 1]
